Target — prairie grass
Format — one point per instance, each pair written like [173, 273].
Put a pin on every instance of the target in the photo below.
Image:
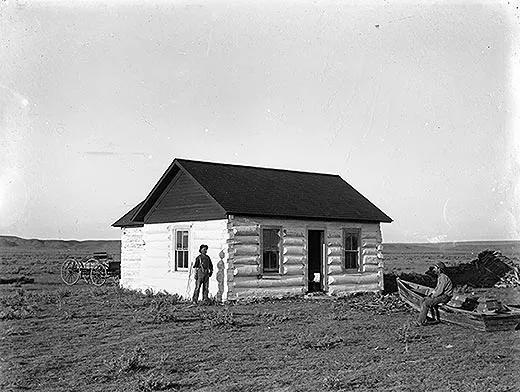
[83, 338]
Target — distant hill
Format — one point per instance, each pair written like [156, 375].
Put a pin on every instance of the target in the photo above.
[12, 242]
[508, 248]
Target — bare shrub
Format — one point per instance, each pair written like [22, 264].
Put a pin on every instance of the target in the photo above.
[333, 383]
[14, 331]
[69, 315]
[162, 307]
[157, 382]
[63, 292]
[132, 361]
[349, 380]
[135, 299]
[275, 318]
[99, 291]
[17, 306]
[223, 318]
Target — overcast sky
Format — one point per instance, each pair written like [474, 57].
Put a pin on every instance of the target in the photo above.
[413, 104]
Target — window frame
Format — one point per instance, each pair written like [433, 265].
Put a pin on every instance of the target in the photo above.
[280, 250]
[357, 252]
[186, 250]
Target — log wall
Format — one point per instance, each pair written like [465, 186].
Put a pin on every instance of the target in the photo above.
[245, 277]
[244, 274]
[156, 269]
[148, 258]
[369, 276]
[131, 257]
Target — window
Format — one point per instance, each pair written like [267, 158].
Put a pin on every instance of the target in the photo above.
[271, 250]
[351, 249]
[181, 250]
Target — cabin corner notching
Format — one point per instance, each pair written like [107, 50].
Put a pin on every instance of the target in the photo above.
[271, 233]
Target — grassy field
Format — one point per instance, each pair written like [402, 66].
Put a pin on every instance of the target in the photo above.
[418, 257]
[84, 338]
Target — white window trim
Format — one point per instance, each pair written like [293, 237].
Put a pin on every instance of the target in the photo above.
[174, 248]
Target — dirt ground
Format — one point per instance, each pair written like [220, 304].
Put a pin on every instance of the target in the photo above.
[83, 338]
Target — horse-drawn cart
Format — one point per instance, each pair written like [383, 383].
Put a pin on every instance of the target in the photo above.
[95, 269]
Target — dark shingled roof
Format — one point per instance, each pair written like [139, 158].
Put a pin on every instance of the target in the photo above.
[255, 191]
[126, 219]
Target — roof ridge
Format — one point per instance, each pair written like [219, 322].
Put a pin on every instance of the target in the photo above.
[180, 160]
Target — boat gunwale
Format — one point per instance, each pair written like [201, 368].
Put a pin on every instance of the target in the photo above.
[451, 309]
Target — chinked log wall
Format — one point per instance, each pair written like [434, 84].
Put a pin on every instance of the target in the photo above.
[370, 274]
[131, 256]
[243, 272]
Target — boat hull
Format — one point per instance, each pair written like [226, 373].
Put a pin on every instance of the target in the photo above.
[413, 293]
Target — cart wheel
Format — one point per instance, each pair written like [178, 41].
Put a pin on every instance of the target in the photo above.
[98, 274]
[116, 279]
[70, 271]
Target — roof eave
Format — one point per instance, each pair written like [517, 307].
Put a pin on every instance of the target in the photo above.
[131, 224]
[306, 217]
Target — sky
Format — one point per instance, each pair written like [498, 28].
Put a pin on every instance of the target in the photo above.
[415, 104]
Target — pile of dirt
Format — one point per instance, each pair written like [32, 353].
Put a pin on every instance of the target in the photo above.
[490, 269]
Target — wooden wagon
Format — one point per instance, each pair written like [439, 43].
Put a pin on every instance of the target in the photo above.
[95, 269]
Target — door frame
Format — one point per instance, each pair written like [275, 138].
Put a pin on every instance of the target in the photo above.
[323, 263]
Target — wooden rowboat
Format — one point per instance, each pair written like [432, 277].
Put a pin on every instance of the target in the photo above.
[503, 320]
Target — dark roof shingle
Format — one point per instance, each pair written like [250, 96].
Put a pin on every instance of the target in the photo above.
[273, 192]
[247, 190]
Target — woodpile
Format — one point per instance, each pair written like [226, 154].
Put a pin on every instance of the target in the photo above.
[491, 268]
[510, 279]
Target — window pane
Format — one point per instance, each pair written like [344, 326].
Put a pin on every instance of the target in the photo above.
[270, 250]
[271, 261]
[351, 260]
[350, 242]
[178, 257]
[179, 240]
[271, 239]
[181, 249]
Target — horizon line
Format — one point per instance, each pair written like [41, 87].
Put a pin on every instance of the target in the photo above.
[392, 242]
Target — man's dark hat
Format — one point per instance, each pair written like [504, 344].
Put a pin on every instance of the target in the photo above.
[440, 265]
[202, 247]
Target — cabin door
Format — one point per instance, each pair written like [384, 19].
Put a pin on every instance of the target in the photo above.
[315, 257]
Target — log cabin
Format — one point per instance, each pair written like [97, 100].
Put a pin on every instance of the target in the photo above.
[270, 233]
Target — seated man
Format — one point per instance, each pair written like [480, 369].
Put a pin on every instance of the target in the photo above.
[440, 295]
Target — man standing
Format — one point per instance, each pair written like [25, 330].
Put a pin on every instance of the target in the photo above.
[203, 270]
[440, 295]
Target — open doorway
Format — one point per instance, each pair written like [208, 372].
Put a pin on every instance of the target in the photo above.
[315, 259]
